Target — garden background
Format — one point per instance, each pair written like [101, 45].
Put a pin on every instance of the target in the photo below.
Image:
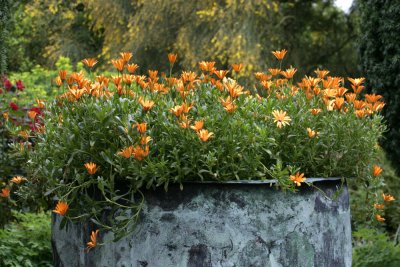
[37, 38]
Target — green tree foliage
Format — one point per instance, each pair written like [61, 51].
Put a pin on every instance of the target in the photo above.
[316, 33]
[45, 30]
[380, 61]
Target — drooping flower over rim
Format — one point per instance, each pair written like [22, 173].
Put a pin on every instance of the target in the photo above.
[93, 240]
[298, 178]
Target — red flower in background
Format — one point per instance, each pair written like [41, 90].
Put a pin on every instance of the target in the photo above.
[20, 86]
[14, 106]
[36, 125]
[7, 84]
[37, 110]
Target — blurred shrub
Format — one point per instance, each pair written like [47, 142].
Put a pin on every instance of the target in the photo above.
[26, 241]
[374, 249]
[363, 197]
[38, 81]
[17, 122]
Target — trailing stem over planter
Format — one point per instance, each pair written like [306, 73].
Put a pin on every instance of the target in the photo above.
[106, 138]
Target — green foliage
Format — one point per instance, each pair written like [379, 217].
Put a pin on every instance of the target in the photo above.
[4, 21]
[38, 81]
[373, 249]
[246, 143]
[42, 31]
[26, 241]
[380, 60]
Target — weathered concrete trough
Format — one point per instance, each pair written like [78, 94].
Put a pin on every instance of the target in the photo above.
[237, 224]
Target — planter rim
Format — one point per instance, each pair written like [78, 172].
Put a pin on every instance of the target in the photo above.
[270, 181]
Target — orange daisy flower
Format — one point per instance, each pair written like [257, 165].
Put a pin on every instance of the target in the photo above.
[172, 58]
[40, 103]
[376, 170]
[289, 73]
[321, 73]
[6, 115]
[204, 135]
[379, 206]
[58, 81]
[17, 179]
[298, 178]
[32, 114]
[372, 98]
[126, 152]
[221, 73]
[198, 125]
[146, 104]
[144, 140]
[230, 108]
[132, 68]
[141, 127]
[280, 118]
[91, 167]
[207, 66]
[351, 97]
[93, 240]
[274, 72]
[279, 54]
[125, 56]
[5, 192]
[237, 67]
[62, 74]
[139, 153]
[311, 133]
[119, 64]
[338, 103]
[379, 218]
[61, 208]
[315, 111]
[387, 198]
[90, 62]
[360, 113]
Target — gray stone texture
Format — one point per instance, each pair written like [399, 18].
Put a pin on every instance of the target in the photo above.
[223, 225]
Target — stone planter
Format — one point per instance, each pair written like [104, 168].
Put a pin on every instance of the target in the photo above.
[230, 224]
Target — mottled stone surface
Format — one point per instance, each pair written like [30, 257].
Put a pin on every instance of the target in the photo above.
[224, 225]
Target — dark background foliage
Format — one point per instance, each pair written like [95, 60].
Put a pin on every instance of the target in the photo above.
[380, 62]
